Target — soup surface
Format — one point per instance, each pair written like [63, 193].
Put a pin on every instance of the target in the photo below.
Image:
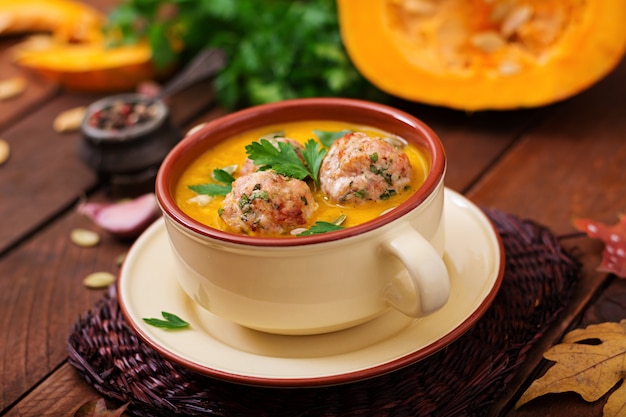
[231, 156]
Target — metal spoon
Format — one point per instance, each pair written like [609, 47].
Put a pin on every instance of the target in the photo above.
[204, 65]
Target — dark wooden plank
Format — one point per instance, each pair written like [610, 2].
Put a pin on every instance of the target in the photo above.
[571, 165]
[36, 92]
[41, 294]
[58, 396]
[473, 141]
[43, 174]
[609, 306]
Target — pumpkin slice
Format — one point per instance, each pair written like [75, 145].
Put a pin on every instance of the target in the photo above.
[90, 67]
[68, 20]
[484, 54]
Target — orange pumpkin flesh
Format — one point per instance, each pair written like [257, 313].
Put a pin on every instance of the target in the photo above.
[90, 67]
[483, 54]
[68, 20]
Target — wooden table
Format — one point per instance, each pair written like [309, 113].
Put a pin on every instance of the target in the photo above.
[548, 164]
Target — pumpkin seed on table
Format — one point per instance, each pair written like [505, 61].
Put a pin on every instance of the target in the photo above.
[119, 260]
[194, 129]
[99, 280]
[84, 237]
[5, 151]
[11, 87]
[69, 120]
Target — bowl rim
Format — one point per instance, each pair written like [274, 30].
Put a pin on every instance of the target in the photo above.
[300, 108]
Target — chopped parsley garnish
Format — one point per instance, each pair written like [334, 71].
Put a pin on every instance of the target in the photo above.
[383, 173]
[328, 138]
[360, 193]
[320, 227]
[213, 189]
[171, 321]
[284, 159]
[385, 195]
[223, 176]
[245, 202]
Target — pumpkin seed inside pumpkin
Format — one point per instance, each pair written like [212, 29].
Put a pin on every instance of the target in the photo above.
[498, 37]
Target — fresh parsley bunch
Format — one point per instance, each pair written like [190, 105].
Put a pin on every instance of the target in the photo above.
[277, 49]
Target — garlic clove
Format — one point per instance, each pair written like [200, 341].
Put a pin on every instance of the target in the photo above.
[125, 219]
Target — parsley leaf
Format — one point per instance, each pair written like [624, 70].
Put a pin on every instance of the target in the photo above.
[284, 159]
[211, 189]
[328, 138]
[171, 321]
[320, 227]
[223, 176]
[215, 189]
[313, 155]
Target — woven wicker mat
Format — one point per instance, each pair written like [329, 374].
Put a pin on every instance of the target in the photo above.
[463, 379]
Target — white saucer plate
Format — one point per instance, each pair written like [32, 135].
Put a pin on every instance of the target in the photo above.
[216, 347]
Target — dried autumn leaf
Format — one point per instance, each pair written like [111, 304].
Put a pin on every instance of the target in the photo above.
[98, 408]
[590, 370]
[614, 238]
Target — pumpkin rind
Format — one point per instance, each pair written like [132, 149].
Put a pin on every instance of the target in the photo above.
[589, 45]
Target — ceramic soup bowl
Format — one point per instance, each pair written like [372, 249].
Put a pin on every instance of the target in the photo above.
[323, 282]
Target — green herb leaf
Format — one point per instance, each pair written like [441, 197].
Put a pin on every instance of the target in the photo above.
[171, 321]
[313, 155]
[284, 160]
[320, 227]
[215, 189]
[267, 59]
[328, 138]
[223, 176]
[211, 189]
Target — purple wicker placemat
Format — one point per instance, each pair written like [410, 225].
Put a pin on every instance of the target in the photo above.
[463, 379]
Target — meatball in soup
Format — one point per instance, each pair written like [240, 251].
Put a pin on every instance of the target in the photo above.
[360, 168]
[266, 202]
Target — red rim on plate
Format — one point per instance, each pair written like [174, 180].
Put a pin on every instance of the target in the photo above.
[341, 377]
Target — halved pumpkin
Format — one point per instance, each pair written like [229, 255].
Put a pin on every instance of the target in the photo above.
[90, 67]
[483, 54]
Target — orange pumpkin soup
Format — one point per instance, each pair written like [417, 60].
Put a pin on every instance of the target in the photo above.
[231, 155]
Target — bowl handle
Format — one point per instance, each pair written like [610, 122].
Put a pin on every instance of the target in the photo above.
[429, 287]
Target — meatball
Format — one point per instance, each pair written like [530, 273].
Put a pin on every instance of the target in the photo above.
[265, 202]
[249, 166]
[360, 168]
